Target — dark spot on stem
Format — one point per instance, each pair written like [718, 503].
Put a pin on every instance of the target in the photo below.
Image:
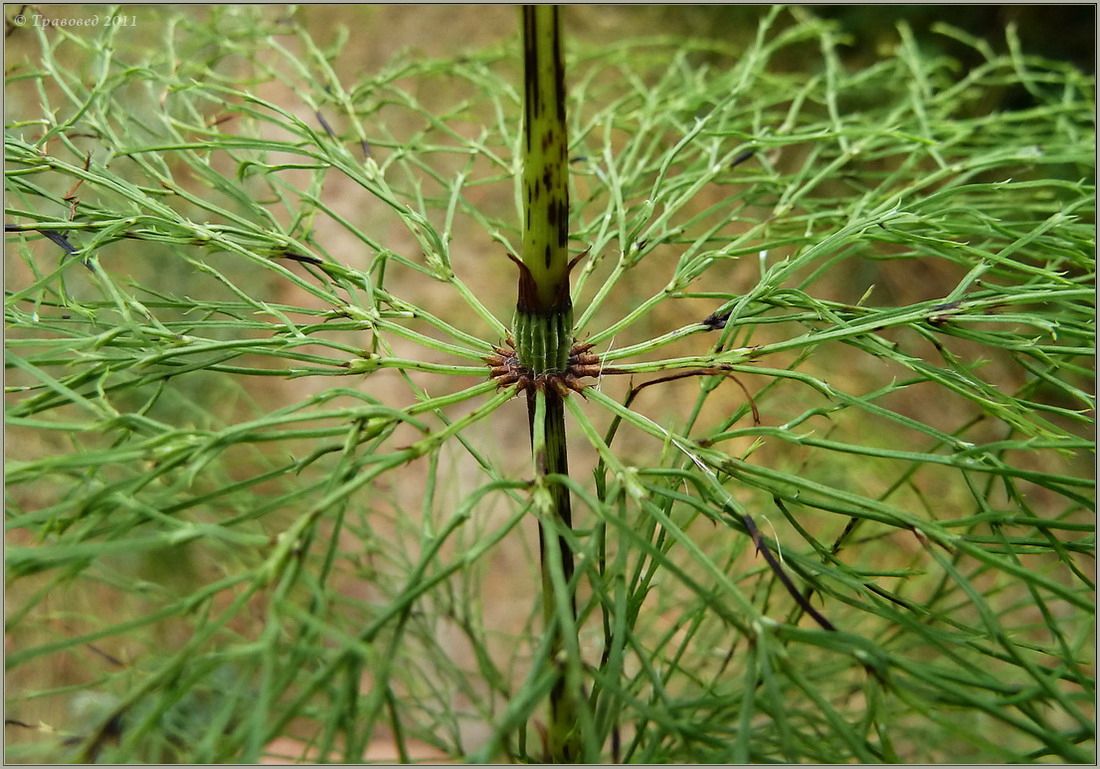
[563, 224]
[286, 254]
[717, 320]
[552, 214]
[943, 312]
[777, 569]
[559, 67]
[325, 125]
[741, 158]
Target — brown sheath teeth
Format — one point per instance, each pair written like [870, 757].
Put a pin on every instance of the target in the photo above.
[505, 368]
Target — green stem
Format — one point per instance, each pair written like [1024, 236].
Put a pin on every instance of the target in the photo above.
[545, 168]
[544, 311]
[559, 612]
[543, 336]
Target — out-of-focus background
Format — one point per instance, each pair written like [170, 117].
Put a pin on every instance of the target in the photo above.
[1056, 31]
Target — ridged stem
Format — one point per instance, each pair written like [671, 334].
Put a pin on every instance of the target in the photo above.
[543, 335]
[543, 341]
[545, 166]
[559, 611]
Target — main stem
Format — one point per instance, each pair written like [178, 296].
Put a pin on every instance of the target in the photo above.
[543, 336]
[559, 616]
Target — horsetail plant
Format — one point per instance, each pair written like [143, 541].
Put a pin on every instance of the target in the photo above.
[269, 495]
